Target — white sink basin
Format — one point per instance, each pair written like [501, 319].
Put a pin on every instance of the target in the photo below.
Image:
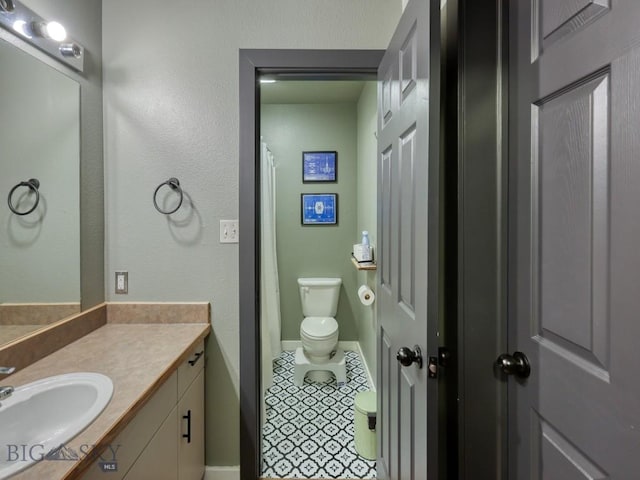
[41, 416]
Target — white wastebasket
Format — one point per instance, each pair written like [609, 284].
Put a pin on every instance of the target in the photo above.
[364, 416]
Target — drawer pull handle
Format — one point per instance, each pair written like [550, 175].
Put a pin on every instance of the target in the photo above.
[197, 357]
[187, 435]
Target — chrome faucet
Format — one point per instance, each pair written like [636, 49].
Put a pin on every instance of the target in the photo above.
[5, 392]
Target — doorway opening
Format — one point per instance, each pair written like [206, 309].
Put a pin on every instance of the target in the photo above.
[342, 65]
[318, 193]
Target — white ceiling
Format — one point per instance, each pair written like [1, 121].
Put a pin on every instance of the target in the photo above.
[310, 91]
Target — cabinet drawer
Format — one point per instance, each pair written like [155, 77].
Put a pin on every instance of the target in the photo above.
[189, 370]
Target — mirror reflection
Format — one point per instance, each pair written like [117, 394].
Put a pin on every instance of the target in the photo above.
[39, 140]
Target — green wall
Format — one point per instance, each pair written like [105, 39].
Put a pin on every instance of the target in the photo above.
[314, 251]
[367, 188]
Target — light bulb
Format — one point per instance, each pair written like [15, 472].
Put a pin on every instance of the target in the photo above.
[22, 28]
[55, 31]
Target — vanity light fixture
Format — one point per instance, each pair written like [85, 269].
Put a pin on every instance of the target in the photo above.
[49, 36]
[267, 80]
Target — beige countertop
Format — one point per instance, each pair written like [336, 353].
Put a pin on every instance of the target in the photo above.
[137, 357]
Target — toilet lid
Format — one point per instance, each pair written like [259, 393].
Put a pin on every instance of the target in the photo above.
[319, 326]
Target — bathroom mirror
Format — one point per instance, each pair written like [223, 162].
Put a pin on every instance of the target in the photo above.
[39, 139]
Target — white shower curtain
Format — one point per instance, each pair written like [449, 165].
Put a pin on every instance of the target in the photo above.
[269, 285]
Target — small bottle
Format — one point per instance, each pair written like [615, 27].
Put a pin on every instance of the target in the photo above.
[366, 248]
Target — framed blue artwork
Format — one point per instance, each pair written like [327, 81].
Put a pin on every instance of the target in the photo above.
[319, 208]
[319, 167]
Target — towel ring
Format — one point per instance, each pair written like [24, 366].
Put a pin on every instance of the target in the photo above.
[174, 184]
[33, 185]
[7, 6]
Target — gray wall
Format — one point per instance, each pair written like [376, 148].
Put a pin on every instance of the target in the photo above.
[313, 251]
[171, 108]
[367, 188]
[83, 21]
[40, 138]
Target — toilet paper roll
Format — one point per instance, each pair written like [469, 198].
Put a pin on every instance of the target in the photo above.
[366, 295]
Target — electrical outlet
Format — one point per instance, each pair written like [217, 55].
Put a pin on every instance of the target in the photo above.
[122, 282]
[229, 231]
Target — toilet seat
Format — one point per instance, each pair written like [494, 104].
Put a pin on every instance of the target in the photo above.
[318, 328]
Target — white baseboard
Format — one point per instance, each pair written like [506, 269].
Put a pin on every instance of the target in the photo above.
[290, 345]
[370, 379]
[222, 473]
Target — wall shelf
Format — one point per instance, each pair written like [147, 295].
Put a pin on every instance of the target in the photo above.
[363, 266]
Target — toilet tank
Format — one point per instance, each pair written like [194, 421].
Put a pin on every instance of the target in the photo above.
[319, 296]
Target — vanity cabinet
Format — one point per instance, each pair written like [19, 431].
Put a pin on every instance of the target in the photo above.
[166, 438]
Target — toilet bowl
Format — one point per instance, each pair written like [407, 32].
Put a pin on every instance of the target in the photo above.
[319, 331]
[319, 336]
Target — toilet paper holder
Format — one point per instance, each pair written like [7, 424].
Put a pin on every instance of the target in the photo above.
[366, 295]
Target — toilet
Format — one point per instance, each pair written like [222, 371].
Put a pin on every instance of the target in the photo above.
[319, 356]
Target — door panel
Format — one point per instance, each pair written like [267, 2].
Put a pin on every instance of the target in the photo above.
[407, 299]
[384, 234]
[407, 409]
[406, 213]
[408, 64]
[570, 169]
[557, 457]
[385, 423]
[556, 19]
[574, 271]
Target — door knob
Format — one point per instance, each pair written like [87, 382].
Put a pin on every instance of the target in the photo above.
[516, 364]
[406, 356]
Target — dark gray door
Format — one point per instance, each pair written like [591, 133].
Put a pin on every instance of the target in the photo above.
[408, 106]
[575, 238]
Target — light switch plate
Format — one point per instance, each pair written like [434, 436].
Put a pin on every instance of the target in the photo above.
[229, 231]
[122, 282]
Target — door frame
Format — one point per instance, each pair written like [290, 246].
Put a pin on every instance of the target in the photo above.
[300, 64]
[481, 31]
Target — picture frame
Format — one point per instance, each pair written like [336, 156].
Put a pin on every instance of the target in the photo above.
[319, 208]
[320, 166]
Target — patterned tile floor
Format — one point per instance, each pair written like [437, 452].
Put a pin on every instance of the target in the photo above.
[308, 432]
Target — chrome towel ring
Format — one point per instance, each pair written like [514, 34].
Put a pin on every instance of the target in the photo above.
[7, 6]
[174, 184]
[33, 185]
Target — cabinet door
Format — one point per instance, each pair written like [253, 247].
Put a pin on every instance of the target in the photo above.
[159, 458]
[132, 441]
[191, 441]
